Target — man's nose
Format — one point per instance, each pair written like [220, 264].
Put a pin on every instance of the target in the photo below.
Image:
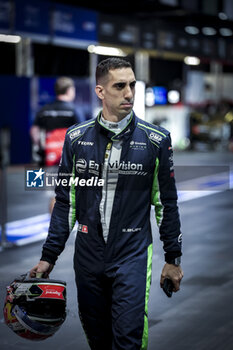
[128, 93]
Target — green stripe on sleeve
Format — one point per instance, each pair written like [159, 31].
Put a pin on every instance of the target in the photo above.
[148, 284]
[148, 136]
[155, 130]
[81, 126]
[72, 211]
[155, 195]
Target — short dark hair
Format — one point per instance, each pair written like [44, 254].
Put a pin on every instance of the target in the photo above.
[62, 84]
[110, 64]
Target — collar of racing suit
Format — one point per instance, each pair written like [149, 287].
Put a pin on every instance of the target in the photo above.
[116, 127]
[125, 132]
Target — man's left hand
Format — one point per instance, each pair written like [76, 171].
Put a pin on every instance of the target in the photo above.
[173, 273]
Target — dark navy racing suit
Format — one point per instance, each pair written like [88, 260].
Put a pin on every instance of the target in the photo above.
[113, 273]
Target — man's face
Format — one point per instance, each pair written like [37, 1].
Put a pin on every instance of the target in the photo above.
[117, 92]
[71, 93]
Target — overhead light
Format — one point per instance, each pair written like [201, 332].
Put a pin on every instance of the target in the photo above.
[191, 30]
[106, 50]
[222, 16]
[173, 96]
[14, 39]
[192, 60]
[209, 31]
[225, 31]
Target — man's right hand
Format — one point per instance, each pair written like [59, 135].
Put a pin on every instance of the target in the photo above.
[173, 273]
[42, 270]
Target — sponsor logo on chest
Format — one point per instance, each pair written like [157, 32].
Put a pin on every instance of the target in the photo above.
[123, 167]
[74, 134]
[85, 143]
[155, 137]
[137, 146]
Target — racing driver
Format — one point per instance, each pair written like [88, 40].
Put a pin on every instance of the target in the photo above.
[113, 247]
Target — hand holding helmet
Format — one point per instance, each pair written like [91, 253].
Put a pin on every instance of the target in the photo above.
[35, 308]
[42, 269]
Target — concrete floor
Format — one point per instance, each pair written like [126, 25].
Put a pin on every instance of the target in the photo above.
[198, 317]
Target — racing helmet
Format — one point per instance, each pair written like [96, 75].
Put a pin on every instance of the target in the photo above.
[35, 308]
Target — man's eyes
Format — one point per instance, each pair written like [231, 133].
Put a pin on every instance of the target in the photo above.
[121, 86]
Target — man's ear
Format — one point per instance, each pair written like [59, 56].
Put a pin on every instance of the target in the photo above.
[99, 90]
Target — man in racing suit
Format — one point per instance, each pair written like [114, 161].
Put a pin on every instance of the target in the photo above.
[129, 164]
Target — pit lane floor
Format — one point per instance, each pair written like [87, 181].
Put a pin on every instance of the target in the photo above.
[199, 316]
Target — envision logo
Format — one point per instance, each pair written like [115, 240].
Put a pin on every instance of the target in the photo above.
[125, 165]
[81, 165]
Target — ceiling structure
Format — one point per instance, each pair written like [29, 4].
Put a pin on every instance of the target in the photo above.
[191, 25]
[201, 28]
[187, 13]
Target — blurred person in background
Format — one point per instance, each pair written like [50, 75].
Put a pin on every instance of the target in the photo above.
[52, 122]
[113, 248]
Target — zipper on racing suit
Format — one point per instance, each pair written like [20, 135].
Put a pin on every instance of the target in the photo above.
[102, 207]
